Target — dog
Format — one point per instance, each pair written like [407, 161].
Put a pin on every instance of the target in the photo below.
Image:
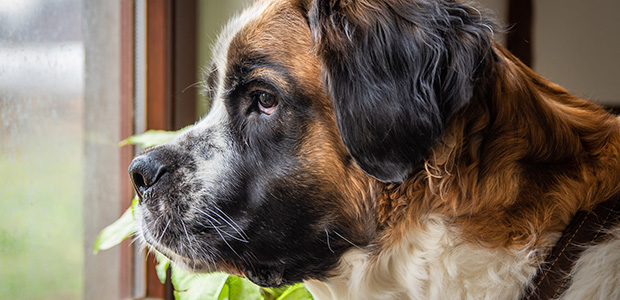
[383, 150]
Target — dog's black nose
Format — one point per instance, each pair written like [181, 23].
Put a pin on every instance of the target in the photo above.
[144, 171]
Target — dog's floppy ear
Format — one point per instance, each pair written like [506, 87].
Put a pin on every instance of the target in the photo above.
[397, 71]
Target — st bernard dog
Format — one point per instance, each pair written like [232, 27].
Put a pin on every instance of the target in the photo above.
[385, 150]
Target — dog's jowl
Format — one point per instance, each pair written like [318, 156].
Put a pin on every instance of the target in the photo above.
[384, 150]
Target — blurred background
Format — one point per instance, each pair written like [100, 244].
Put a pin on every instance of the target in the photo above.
[76, 77]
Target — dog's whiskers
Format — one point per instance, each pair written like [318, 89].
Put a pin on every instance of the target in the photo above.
[234, 225]
[328, 244]
[348, 241]
[186, 235]
[209, 226]
[209, 216]
[194, 254]
[224, 239]
[242, 237]
[223, 231]
[163, 232]
[192, 85]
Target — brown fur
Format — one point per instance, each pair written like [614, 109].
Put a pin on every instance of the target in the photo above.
[514, 165]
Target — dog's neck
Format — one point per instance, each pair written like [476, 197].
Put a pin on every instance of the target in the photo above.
[430, 262]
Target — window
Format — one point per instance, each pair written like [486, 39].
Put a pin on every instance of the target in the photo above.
[41, 138]
[142, 72]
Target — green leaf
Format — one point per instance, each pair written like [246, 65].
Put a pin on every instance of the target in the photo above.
[152, 138]
[116, 232]
[162, 266]
[293, 292]
[224, 292]
[243, 289]
[272, 293]
[214, 286]
[190, 286]
[296, 292]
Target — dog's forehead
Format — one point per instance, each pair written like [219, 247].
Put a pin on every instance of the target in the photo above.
[267, 33]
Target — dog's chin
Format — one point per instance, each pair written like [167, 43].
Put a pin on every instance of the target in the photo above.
[266, 276]
[262, 275]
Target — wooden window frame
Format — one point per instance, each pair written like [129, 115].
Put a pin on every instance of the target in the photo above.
[127, 129]
[171, 58]
[519, 38]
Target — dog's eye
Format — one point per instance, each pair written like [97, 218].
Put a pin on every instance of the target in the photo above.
[266, 102]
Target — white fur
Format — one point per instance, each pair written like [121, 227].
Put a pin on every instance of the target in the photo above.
[429, 263]
[220, 50]
[597, 272]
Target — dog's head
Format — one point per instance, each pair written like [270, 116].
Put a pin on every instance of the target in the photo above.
[314, 104]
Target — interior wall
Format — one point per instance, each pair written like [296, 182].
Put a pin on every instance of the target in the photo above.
[577, 45]
[498, 10]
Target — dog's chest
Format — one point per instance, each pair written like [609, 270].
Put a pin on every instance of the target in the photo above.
[430, 263]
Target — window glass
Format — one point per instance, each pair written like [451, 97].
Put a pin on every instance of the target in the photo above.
[41, 99]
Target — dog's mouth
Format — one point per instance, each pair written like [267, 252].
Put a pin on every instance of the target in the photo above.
[207, 249]
[178, 259]
[263, 274]
[162, 234]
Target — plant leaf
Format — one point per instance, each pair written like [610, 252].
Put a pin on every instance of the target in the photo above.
[162, 266]
[243, 289]
[152, 137]
[296, 292]
[116, 232]
[190, 286]
[272, 293]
